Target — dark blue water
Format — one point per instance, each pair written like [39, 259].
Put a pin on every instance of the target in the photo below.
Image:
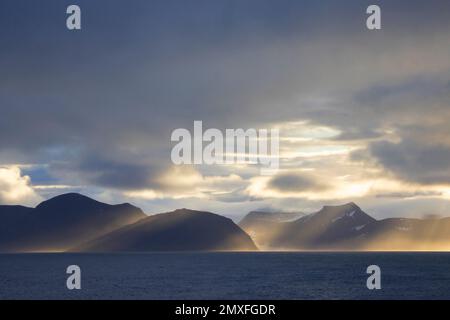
[226, 276]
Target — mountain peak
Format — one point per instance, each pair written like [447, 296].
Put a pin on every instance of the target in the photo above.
[189, 211]
[348, 210]
[70, 195]
[67, 200]
[346, 206]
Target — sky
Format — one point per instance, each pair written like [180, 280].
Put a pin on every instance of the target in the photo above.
[363, 115]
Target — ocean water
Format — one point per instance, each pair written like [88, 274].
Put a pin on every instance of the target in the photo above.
[226, 276]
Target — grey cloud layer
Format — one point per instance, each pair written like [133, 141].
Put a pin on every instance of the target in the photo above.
[412, 161]
[296, 183]
[99, 106]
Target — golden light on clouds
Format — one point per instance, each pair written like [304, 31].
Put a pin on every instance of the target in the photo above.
[16, 188]
[179, 182]
[305, 131]
[315, 166]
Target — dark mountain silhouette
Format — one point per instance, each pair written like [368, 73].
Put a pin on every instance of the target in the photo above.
[11, 218]
[77, 223]
[12, 214]
[180, 230]
[61, 222]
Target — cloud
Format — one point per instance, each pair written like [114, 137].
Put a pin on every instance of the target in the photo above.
[412, 161]
[119, 175]
[413, 194]
[100, 117]
[296, 183]
[238, 195]
[103, 171]
[181, 182]
[16, 188]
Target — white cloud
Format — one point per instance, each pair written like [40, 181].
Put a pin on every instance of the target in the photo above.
[16, 188]
[179, 182]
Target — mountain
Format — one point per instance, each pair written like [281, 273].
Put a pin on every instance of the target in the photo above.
[61, 223]
[331, 227]
[12, 214]
[263, 216]
[407, 234]
[11, 218]
[263, 226]
[347, 227]
[179, 230]
[73, 222]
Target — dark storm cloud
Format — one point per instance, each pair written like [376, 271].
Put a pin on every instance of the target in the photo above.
[117, 175]
[109, 173]
[417, 111]
[99, 105]
[412, 161]
[296, 183]
[421, 86]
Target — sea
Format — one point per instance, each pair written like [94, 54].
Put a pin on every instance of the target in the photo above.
[237, 276]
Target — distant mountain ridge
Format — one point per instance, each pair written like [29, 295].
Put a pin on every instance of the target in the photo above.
[260, 225]
[73, 222]
[278, 216]
[332, 226]
[348, 227]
